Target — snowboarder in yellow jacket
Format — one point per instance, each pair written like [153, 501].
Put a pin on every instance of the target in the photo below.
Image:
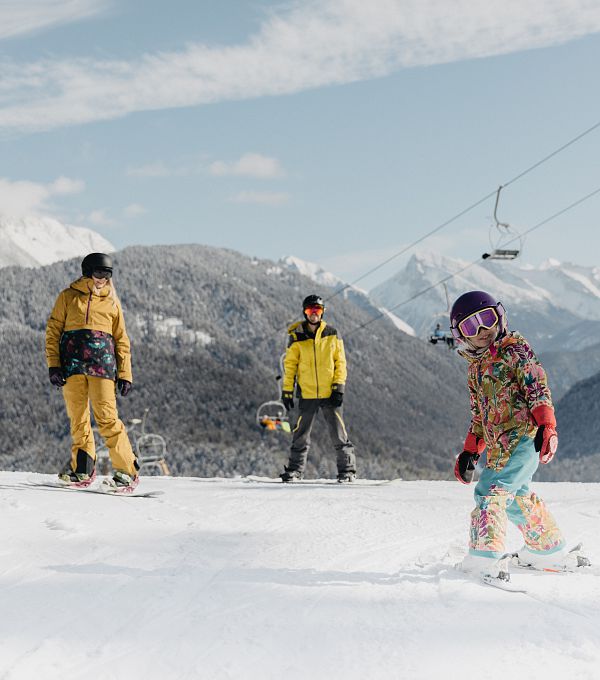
[88, 355]
[315, 363]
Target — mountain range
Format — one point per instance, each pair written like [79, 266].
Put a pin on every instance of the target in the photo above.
[208, 326]
[556, 306]
[211, 322]
[36, 241]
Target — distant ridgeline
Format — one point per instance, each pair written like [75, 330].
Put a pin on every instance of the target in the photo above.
[207, 327]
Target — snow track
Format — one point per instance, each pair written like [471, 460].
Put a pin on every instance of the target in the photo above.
[225, 579]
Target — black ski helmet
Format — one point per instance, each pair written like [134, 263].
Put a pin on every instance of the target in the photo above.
[312, 300]
[95, 261]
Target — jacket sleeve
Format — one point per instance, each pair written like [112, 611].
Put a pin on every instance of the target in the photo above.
[476, 427]
[339, 371]
[54, 331]
[290, 366]
[122, 346]
[530, 375]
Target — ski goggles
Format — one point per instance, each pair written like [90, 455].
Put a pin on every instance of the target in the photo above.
[485, 318]
[102, 273]
[315, 309]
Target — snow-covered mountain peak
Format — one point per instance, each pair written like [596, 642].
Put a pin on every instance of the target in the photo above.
[319, 275]
[311, 270]
[550, 263]
[545, 302]
[37, 241]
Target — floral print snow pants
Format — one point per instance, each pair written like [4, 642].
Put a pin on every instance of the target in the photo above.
[504, 494]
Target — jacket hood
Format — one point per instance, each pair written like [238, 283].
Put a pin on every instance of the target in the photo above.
[298, 324]
[506, 339]
[86, 285]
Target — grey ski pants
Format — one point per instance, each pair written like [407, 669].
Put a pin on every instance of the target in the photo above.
[308, 409]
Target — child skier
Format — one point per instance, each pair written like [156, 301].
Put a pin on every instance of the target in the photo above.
[88, 355]
[513, 417]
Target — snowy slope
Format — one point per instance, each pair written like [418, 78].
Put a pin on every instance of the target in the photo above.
[223, 579]
[556, 304]
[36, 241]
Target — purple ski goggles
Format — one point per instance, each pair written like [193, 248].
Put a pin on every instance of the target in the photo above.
[469, 327]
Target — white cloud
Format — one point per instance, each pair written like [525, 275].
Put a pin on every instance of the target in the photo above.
[23, 198]
[261, 197]
[309, 44]
[135, 210]
[100, 219]
[249, 165]
[64, 185]
[20, 17]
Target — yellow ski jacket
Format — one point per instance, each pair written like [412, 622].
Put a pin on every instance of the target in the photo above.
[81, 307]
[317, 363]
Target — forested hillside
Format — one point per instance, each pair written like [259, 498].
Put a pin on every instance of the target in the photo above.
[207, 328]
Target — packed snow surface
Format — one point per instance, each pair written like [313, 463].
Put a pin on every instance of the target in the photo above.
[226, 579]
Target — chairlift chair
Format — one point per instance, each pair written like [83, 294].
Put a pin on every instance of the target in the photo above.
[151, 451]
[505, 231]
[272, 416]
[501, 254]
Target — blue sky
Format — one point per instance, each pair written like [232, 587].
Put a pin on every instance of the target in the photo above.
[337, 131]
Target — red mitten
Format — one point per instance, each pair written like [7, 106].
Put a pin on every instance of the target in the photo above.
[464, 467]
[546, 438]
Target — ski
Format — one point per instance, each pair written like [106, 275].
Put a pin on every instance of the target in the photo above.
[501, 583]
[92, 489]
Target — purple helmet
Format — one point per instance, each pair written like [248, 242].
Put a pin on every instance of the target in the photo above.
[471, 302]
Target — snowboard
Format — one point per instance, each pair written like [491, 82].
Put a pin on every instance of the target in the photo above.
[94, 488]
[252, 479]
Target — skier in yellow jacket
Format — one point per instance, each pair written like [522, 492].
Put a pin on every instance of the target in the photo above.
[88, 355]
[315, 361]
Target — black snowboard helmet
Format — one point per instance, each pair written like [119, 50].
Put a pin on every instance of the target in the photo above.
[313, 301]
[96, 262]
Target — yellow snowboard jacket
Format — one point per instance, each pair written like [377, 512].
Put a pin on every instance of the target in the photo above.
[81, 307]
[317, 363]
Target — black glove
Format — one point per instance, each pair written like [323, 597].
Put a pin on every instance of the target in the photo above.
[337, 398]
[287, 399]
[57, 377]
[124, 387]
[464, 468]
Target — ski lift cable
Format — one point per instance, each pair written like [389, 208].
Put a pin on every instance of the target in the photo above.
[579, 201]
[516, 178]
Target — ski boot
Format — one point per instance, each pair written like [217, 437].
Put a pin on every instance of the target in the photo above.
[78, 480]
[493, 571]
[346, 477]
[561, 561]
[121, 482]
[290, 476]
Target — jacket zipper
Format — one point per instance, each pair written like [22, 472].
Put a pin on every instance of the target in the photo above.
[87, 312]
[315, 353]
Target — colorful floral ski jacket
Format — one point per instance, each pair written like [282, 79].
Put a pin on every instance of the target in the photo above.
[505, 384]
